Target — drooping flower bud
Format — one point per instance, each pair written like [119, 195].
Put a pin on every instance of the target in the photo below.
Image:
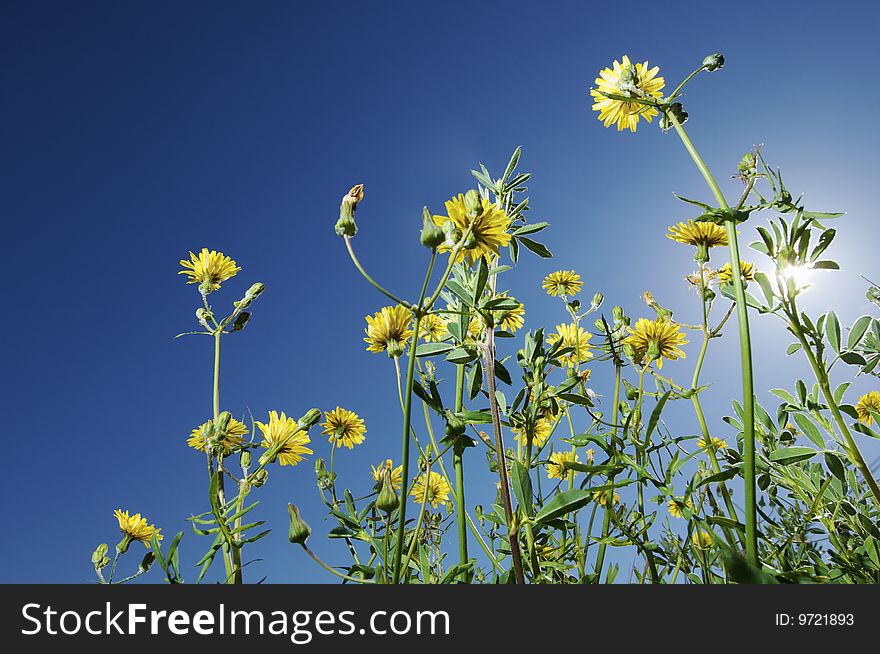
[432, 236]
[388, 500]
[346, 226]
[714, 62]
[299, 531]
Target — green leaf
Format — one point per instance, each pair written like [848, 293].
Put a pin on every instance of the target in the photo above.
[791, 349]
[832, 328]
[655, 414]
[835, 465]
[826, 264]
[789, 455]
[857, 331]
[433, 349]
[810, 431]
[538, 248]
[522, 486]
[530, 229]
[565, 502]
[474, 379]
[460, 355]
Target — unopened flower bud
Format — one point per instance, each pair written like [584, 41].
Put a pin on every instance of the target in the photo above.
[299, 531]
[714, 62]
[203, 316]
[598, 299]
[388, 500]
[574, 306]
[241, 320]
[346, 226]
[455, 426]
[617, 314]
[146, 562]
[260, 478]
[432, 236]
[99, 556]
[473, 202]
[309, 420]
[245, 458]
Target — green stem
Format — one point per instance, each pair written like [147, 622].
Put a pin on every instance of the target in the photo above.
[366, 276]
[407, 414]
[745, 350]
[606, 522]
[457, 464]
[228, 561]
[331, 570]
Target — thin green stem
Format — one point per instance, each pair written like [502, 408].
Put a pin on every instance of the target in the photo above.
[333, 571]
[458, 467]
[745, 350]
[606, 522]
[376, 285]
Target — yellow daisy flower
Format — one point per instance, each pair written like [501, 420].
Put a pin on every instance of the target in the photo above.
[389, 329]
[231, 441]
[438, 489]
[675, 507]
[543, 429]
[283, 432]
[208, 269]
[134, 527]
[626, 79]
[715, 443]
[344, 427]
[556, 465]
[867, 403]
[655, 340]
[509, 319]
[489, 232]
[562, 282]
[601, 497]
[396, 473]
[701, 539]
[432, 328]
[703, 234]
[725, 272]
[574, 336]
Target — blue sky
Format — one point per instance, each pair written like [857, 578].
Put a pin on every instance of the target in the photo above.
[132, 134]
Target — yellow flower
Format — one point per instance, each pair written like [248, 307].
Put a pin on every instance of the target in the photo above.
[701, 539]
[489, 231]
[626, 79]
[675, 507]
[231, 441]
[656, 340]
[725, 272]
[703, 234]
[543, 429]
[867, 403]
[284, 434]
[562, 282]
[343, 427]
[715, 443]
[601, 497]
[509, 319]
[438, 489]
[576, 337]
[208, 269]
[432, 328]
[388, 329]
[396, 473]
[556, 465]
[134, 527]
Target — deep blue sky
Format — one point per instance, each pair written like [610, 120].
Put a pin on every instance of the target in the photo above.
[133, 133]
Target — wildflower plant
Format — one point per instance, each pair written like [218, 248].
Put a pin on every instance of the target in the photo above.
[575, 469]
